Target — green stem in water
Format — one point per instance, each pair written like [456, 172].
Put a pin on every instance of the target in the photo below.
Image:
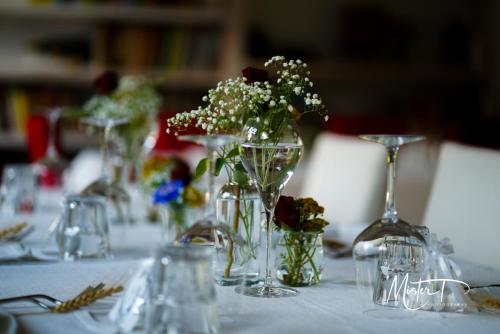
[236, 220]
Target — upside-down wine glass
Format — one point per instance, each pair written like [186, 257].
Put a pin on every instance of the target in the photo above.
[203, 230]
[105, 185]
[368, 245]
[270, 151]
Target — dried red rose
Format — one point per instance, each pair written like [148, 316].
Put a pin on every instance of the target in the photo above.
[255, 74]
[106, 83]
[181, 172]
[286, 213]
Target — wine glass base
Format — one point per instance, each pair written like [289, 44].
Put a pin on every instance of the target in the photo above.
[265, 291]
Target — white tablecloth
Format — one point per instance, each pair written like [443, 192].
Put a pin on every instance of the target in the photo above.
[330, 307]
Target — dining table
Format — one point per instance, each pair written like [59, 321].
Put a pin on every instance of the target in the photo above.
[332, 306]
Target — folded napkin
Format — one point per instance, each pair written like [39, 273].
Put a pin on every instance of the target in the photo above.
[15, 251]
[8, 324]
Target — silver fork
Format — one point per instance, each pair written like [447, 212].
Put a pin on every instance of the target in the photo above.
[34, 299]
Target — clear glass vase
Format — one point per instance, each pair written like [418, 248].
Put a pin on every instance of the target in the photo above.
[299, 258]
[238, 207]
[174, 218]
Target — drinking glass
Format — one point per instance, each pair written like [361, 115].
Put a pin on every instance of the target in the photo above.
[400, 263]
[51, 167]
[83, 230]
[270, 150]
[368, 245]
[117, 196]
[182, 292]
[19, 189]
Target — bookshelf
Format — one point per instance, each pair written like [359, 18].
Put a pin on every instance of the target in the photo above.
[186, 45]
[211, 12]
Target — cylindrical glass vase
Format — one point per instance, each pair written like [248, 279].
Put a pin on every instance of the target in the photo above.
[236, 254]
[299, 258]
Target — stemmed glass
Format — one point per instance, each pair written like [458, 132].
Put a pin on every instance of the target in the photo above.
[52, 165]
[369, 243]
[203, 229]
[270, 151]
[104, 185]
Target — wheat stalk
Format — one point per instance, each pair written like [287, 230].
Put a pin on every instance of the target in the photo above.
[87, 297]
[12, 230]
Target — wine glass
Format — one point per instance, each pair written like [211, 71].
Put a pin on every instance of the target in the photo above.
[203, 230]
[51, 167]
[368, 245]
[105, 185]
[270, 151]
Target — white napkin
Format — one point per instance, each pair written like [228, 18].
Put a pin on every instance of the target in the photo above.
[15, 251]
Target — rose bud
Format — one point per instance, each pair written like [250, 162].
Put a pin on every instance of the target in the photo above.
[181, 172]
[106, 83]
[286, 213]
[254, 74]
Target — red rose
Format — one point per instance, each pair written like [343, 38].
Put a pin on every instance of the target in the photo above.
[106, 83]
[181, 172]
[254, 74]
[286, 213]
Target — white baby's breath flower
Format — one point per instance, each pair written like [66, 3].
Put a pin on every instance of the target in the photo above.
[272, 103]
[297, 90]
[290, 108]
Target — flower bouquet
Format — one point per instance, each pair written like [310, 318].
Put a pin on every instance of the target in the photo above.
[129, 97]
[271, 101]
[300, 249]
[169, 181]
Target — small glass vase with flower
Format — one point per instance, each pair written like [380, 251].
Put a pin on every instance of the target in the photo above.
[299, 253]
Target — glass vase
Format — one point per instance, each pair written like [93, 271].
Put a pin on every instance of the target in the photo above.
[299, 258]
[174, 220]
[239, 207]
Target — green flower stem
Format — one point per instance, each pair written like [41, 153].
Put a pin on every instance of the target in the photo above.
[236, 220]
[299, 253]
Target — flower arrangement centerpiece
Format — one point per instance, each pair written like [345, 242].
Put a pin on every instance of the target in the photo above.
[132, 98]
[300, 250]
[169, 180]
[262, 104]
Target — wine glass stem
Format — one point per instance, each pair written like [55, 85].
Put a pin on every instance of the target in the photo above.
[269, 233]
[210, 207]
[51, 147]
[104, 150]
[390, 199]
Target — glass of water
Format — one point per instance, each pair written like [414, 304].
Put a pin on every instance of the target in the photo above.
[18, 192]
[182, 292]
[83, 229]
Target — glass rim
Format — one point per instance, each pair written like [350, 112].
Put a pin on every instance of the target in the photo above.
[186, 252]
[85, 199]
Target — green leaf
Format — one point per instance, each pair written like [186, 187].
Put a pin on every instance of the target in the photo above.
[240, 177]
[219, 163]
[201, 168]
[233, 153]
[239, 167]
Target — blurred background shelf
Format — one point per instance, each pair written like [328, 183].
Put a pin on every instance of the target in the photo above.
[83, 77]
[70, 141]
[95, 12]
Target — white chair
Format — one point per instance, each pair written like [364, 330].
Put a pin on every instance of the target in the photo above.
[347, 176]
[464, 204]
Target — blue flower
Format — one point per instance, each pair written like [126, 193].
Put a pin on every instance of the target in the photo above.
[168, 192]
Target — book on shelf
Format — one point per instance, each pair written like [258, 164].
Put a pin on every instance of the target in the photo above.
[139, 48]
